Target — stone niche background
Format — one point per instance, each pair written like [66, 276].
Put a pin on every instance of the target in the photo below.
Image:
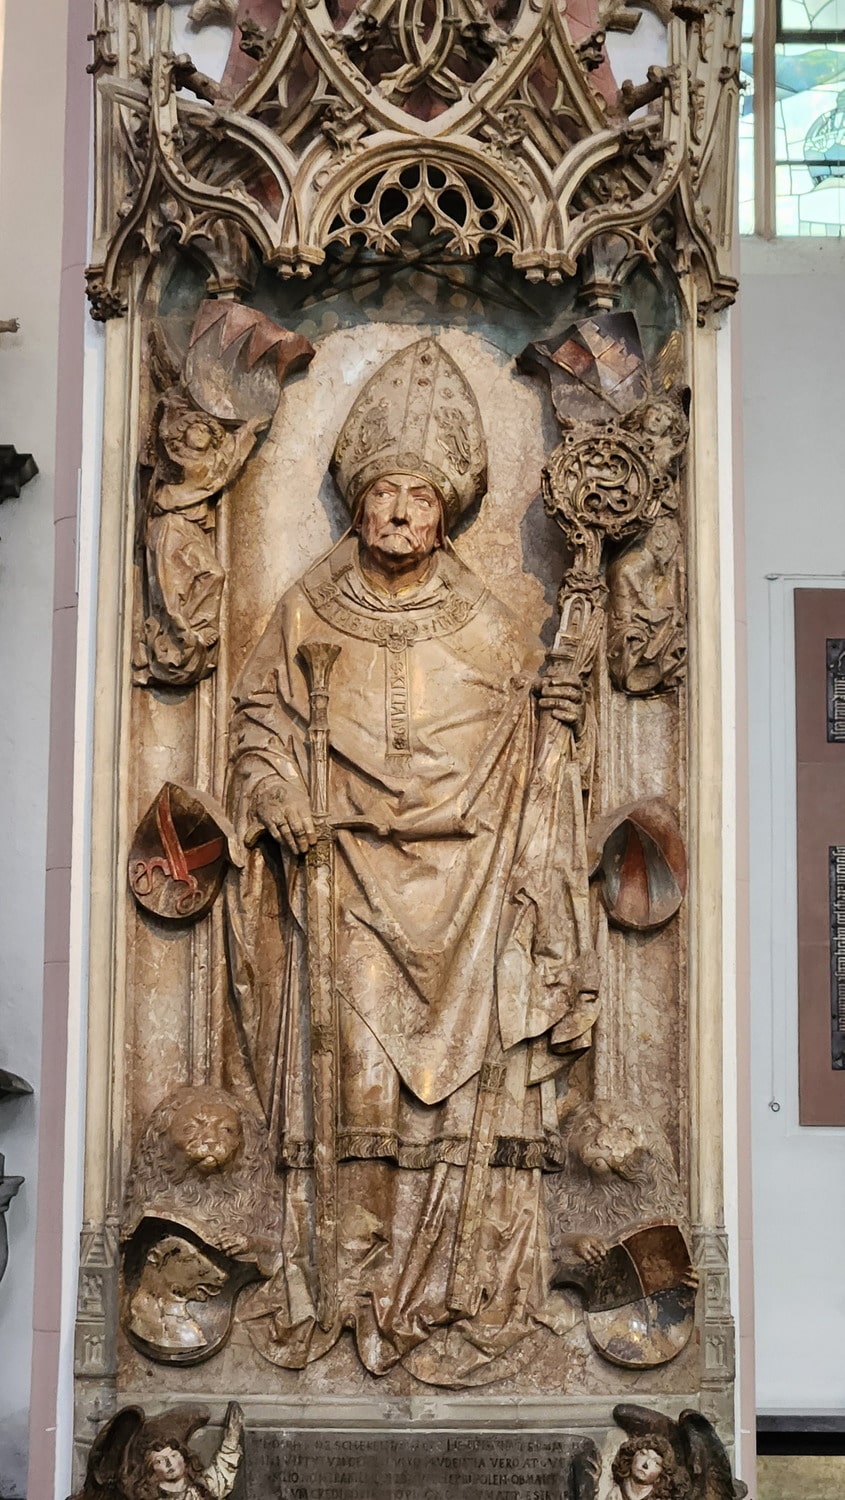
[279, 518]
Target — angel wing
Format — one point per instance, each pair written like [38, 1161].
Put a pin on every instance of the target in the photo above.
[706, 1461]
[104, 1474]
[163, 365]
[586, 1473]
[179, 1424]
[669, 364]
[639, 1421]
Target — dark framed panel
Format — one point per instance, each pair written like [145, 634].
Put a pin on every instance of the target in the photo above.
[820, 795]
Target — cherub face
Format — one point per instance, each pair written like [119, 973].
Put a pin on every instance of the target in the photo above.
[646, 1466]
[658, 419]
[209, 1135]
[167, 1464]
[199, 437]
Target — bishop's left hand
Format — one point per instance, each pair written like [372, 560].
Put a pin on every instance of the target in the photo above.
[564, 697]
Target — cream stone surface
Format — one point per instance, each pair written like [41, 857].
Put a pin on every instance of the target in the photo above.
[405, 1263]
[278, 520]
[290, 513]
[640, 1044]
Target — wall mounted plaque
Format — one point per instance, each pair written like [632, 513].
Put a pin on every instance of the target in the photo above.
[820, 798]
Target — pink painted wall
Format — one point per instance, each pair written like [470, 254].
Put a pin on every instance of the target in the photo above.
[73, 20]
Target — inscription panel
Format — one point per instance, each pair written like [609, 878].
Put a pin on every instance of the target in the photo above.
[835, 656]
[837, 955]
[820, 842]
[343, 1465]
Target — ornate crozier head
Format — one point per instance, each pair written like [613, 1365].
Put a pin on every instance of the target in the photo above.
[416, 415]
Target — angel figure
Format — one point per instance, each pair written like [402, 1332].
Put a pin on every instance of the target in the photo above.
[138, 1458]
[665, 1459]
[171, 1468]
[662, 421]
[195, 458]
[647, 630]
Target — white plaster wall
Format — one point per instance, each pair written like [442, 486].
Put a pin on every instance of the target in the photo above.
[31, 139]
[631, 54]
[793, 337]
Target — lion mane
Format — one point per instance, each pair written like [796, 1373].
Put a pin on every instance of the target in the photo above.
[640, 1187]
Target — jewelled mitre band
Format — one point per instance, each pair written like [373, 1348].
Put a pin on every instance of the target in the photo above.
[416, 415]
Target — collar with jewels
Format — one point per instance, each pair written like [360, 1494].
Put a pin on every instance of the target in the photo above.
[459, 595]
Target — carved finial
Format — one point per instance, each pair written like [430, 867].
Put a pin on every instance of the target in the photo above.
[213, 13]
[633, 96]
[105, 301]
[255, 39]
[591, 53]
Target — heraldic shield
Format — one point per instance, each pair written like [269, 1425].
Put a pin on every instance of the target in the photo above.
[179, 855]
[639, 1302]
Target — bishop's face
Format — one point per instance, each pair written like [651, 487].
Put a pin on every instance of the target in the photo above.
[400, 521]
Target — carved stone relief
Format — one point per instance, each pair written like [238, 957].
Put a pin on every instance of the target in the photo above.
[402, 962]
[135, 1457]
[203, 431]
[202, 1220]
[391, 711]
[619, 1233]
[501, 128]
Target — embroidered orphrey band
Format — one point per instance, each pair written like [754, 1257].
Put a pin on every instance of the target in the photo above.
[397, 700]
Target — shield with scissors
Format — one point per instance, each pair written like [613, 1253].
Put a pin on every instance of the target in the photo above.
[179, 854]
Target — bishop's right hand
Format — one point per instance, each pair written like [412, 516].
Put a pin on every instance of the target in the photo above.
[287, 816]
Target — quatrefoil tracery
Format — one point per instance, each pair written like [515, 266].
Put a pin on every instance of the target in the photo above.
[381, 212]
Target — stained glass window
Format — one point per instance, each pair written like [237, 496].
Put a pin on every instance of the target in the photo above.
[803, 61]
[809, 139]
[745, 170]
[825, 19]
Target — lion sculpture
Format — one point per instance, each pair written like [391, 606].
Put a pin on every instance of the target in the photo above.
[616, 1172]
[203, 1162]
